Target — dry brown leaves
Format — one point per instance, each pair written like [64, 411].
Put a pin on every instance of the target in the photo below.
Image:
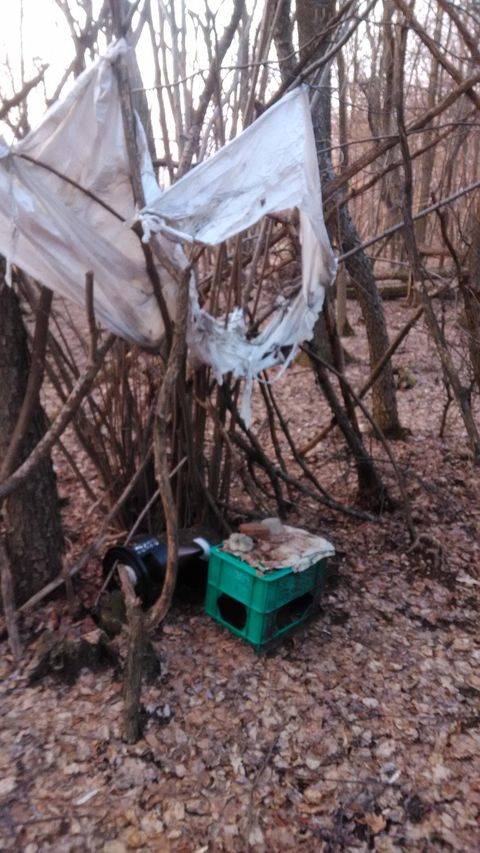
[362, 732]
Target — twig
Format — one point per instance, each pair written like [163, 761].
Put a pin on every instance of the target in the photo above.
[8, 600]
[254, 786]
[59, 425]
[35, 380]
[76, 470]
[90, 308]
[419, 272]
[96, 544]
[135, 527]
[379, 150]
[132, 681]
[375, 372]
[435, 50]
[198, 115]
[165, 397]
[257, 454]
[401, 483]
[400, 225]
[72, 183]
[9, 103]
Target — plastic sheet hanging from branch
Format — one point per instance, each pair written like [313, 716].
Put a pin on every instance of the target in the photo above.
[66, 209]
[270, 167]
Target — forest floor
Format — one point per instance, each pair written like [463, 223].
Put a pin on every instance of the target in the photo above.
[360, 732]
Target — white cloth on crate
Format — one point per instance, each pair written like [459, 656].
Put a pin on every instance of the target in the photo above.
[56, 233]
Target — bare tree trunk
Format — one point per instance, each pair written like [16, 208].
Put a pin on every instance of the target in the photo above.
[428, 158]
[371, 491]
[8, 602]
[392, 182]
[283, 39]
[471, 298]
[314, 18]
[385, 412]
[461, 393]
[133, 673]
[33, 538]
[343, 326]
[360, 269]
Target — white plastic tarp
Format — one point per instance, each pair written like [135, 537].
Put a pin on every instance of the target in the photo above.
[271, 166]
[56, 232]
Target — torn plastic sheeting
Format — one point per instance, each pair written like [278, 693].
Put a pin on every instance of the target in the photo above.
[56, 233]
[271, 166]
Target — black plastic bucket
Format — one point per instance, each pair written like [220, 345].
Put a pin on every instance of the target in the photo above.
[145, 558]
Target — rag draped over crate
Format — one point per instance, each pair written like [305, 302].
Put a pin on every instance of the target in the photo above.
[56, 232]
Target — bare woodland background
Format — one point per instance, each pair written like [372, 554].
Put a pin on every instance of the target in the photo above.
[372, 437]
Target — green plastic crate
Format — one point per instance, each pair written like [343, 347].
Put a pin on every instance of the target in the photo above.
[260, 607]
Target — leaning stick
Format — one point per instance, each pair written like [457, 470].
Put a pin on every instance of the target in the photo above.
[380, 436]
[8, 599]
[410, 323]
[375, 372]
[96, 544]
[398, 227]
[59, 425]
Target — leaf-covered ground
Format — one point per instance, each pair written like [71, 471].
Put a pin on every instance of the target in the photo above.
[360, 732]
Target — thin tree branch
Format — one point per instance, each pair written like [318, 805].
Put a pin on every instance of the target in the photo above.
[59, 425]
[9, 103]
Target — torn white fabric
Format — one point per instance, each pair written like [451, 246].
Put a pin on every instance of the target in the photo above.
[57, 233]
[296, 549]
[271, 166]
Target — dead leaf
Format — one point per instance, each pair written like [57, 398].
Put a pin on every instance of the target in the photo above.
[376, 822]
